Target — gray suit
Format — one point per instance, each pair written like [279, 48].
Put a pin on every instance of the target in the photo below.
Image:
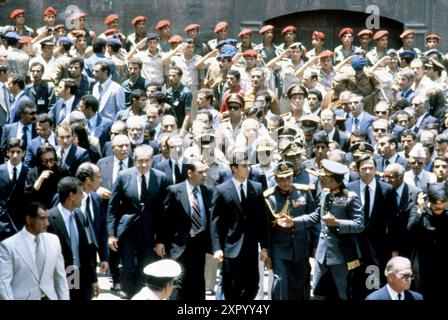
[112, 100]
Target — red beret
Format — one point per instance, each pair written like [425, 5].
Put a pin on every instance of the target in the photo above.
[78, 15]
[288, 29]
[250, 53]
[110, 18]
[326, 54]
[344, 31]
[59, 26]
[365, 32]
[245, 32]
[433, 36]
[379, 34]
[318, 35]
[176, 39]
[220, 26]
[50, 11]
[192, 27]
[110, 32]
[16, 12]
[79, 33]
[162, 24]
[406, 33]
[266, 28]
[25, 40]
[138, 19]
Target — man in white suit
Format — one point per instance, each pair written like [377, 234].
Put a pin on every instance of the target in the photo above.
[31, 262]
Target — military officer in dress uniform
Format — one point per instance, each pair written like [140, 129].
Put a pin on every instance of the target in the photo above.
[159, 280]
[341, 217]
[289, 247]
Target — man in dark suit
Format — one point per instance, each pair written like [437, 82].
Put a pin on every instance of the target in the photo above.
[70, 155]
[66, 103]
[378, 202]
[98, 125]
[23, 129]
[187, 230]
[16, 86]
[405, 199]
[5, 97]
[133, 218]
[39, 91]
[423, 118]
[44, 126]
[94, 213]
[67, 223]
[173, 168]
[328, 122]
[399, 277]
[387, 149]
[12, 182]
[358, 118]
[238, 225]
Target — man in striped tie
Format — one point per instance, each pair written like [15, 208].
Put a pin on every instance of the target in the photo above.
[186, 234]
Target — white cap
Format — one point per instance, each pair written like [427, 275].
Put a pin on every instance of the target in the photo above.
[165, 268]
[417, 151]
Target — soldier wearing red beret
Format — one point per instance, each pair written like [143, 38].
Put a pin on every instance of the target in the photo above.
[164, 29]
[408, 42]
[432, 41]
[78, 19]
[222, 32]
[288, 34]
[79, 43]
[140, 33]
[317, 41]
[192, 30]
[17, 16]
[267, 47]
[365, 38]
[377, 53]
[49, 20]
[346, 49]
[113, 30]
[245, 36]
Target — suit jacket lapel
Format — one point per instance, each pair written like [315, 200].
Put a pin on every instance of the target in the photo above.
[234, 194]
[105, 97]
[70, 155]
[60, 225]
[25, 252]
[183, 194]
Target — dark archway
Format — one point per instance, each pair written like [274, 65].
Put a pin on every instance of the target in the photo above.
[331, 22]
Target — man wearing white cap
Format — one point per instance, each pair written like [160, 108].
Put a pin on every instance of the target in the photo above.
[417, 176]
[159, 280]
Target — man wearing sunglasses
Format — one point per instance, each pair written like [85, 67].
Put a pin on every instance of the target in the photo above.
[417, 176]
[399, 277]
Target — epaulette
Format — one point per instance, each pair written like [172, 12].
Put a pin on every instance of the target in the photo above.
[349, 193]
[303, 187]
[269, 192]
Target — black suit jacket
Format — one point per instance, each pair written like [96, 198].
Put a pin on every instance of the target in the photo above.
[57, 227]
[225, 174]
[383, 294]
[341, 138]
[374, 240]
[166, 166]
[10, 131]
[124, 205]
[31, 151]
[12, 195]
[76, 155]
[231, 225]
[400, 160]
[401, 239]
[106, 166]
[177, 218]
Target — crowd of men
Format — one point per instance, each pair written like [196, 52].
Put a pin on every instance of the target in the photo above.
[222, 155]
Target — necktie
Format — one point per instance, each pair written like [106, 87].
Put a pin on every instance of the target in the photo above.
[63, 113]
[399, 297]
[366, 204]
[120, 165]
[14, 174]
[386, 163]
[416, 180]
[415, 129]
[144, 191]
[243, 196]
[196, 213]
[397, 198]
[40, 256]
[62, 157]
[25, 136]
[74, 240]
[177, 175]
[89, 222]
[356, 123]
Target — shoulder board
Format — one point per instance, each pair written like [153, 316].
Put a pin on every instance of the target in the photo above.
[269, 192]
[349, 193]
[301, 186]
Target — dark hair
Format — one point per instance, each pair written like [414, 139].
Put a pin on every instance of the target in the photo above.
[91, 102]
[17, 79]
[37, 63]
[44, 117]
[321, 137]
[208, 113]
[267, 96]
[66, 46]
[4, 67]
[136, 61]
[279, 119]
[256, 111]
[235, 73]
[408, 132]
[178, 71]
[66, 186]
[71, 84]
[44, 148]
[208, 94]
[85, 171]
[402, 104]
[160, 97]
[15, 143]
[81, 133]
[191, 164]
[441, 158]
[317, 93]
[77, 60]
[26, 104]
[428, 145]
[391, 139]
[137, 94]
[32, 209]
[104, 66]
[99, 45]
[362, 158]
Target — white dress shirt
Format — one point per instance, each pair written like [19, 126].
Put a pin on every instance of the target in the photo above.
[372, 189]
[116, 167]
[393, 294]
[11, 169]
[139, 182]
